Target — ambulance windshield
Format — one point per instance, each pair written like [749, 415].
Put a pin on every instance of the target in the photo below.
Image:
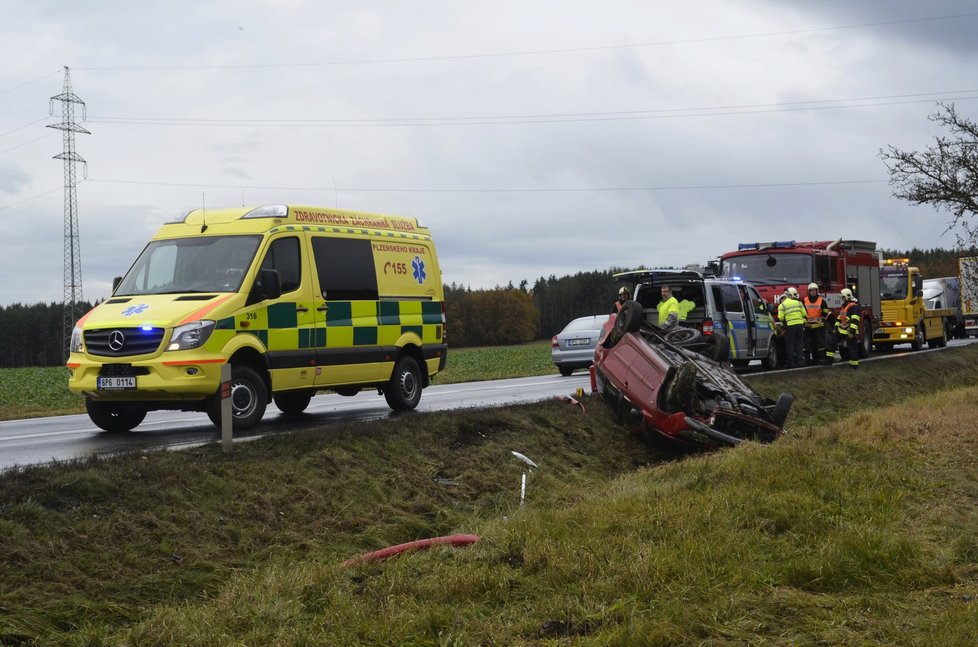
[186, 265]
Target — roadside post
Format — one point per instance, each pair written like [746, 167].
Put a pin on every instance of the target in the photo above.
[226, 418]
[532, 465]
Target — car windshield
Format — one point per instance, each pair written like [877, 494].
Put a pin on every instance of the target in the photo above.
[584, 323]
[893, 283]
[770, 269]
[182, 265]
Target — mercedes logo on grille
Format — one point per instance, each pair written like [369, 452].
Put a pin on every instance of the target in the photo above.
[116, 340]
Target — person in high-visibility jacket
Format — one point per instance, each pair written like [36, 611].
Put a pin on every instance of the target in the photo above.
[791, 313]
[846, 335]
[668, 309]
[816, 312]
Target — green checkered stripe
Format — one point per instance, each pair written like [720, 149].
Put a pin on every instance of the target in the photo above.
[348, 324]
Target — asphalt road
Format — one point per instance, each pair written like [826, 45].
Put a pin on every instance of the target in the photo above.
[41, 440]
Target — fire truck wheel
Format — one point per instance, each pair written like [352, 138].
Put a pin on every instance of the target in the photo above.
[865, 341]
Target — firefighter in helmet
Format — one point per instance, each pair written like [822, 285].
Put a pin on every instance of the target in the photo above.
[624, 294]
[846, 337]
[791, 313]
[816, 312]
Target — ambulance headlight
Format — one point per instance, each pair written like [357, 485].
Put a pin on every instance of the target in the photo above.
[76, 345]
[191, 335]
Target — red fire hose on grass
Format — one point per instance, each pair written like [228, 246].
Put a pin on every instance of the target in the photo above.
[420, 544]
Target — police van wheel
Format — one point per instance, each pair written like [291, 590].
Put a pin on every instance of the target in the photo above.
[403, 391]
[114, 417]
[292, 403]
[248, 399]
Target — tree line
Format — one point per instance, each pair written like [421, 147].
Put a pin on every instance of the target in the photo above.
[32, 335]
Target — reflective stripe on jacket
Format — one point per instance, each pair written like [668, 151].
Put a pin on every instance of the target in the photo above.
[791, 312]
[816, 311]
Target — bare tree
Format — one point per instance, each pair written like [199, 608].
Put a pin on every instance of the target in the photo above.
[944, 176]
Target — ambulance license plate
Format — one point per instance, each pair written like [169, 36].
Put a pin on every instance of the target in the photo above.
[116, 383]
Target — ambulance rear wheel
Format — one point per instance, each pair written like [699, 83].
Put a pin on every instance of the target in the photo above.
[114, 417]
[403, 391]
[292, 403]
[249, 397]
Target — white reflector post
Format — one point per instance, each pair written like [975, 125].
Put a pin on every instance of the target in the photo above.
[226, 417]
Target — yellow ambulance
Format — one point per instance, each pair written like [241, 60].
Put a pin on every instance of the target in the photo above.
[296, 299]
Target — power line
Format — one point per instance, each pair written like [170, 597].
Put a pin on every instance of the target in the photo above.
[28, 125]
[680, 187]
[31, 141]
[26, 83]
[536, 52]
[34, 197]
[631, 115]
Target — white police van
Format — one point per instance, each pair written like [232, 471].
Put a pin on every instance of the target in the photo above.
[715, 306]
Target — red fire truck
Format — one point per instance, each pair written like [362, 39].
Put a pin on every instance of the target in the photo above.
[773, 267]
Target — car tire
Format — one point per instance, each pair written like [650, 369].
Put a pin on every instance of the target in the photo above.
[628, 319]
[565, 370]
[249, 397]
[770, 362]
[403, 390]
[292, 403]
[114, 417]
[683, 336]
[680, 393]
[781, 408]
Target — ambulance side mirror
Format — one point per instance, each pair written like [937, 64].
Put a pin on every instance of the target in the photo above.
[115, 283]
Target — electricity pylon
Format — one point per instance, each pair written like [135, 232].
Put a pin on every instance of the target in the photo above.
[72, 248]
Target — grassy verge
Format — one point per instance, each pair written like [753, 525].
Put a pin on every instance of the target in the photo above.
[36, 392]
[857, 528]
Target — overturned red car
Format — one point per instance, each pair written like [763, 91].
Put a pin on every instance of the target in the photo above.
[670, 385]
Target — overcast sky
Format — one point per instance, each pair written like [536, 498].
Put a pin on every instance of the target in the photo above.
[533, 137]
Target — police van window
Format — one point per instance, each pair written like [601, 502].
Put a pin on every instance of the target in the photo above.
[345, 268]
[283, 255]
[731, 298]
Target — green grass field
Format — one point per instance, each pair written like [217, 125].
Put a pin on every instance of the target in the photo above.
[857, 528]
[34, 392]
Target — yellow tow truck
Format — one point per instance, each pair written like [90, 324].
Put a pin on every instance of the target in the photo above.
[906, 319]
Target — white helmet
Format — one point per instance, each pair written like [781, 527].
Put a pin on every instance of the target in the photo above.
[813, 286]
[847, 294]
[624, 290]
[793, 293]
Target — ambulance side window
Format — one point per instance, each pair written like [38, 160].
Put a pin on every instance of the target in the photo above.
[283, 255]
[346, 269]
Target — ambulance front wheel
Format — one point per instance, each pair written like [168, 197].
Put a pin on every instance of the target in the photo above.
[403, 391]
[114, 417]
[249, 397]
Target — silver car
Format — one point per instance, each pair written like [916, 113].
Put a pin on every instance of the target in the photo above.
[573, 347]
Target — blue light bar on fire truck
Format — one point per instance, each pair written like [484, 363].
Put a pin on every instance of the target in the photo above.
[778, 243]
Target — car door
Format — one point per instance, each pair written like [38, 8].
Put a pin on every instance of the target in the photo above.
[727, 297]
[762, 322]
